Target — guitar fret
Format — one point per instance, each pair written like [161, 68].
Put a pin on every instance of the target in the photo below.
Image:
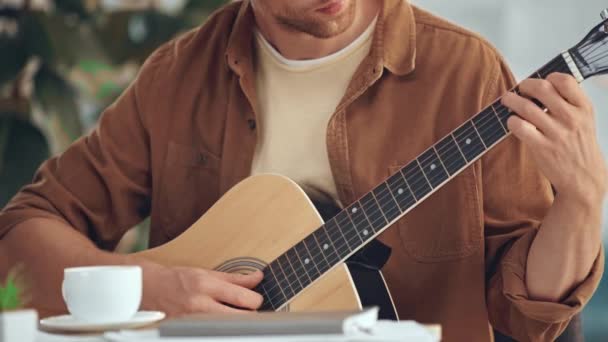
[450, 154]
[440, 160]
[498, 117]
[309, 265]
[290, 274]
[401, 191]
[503, 113]
[489, 127]
[282, 281]
[393, 196]
[372, 210]
[479, 135]
[326, 247]
[363, 224]
[316, 255]
[346, 226]
[424, 174]
[417, 180]
[459, 149]
[335, 249]
[294, 267]
[298, 266]
[469, 141]
[270, 285]
[379, 204]
[407, 183]
[353, 226]
[429, 162]
[267, 303]
[336, 235]
[386, 202]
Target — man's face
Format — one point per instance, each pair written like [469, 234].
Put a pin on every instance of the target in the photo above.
[319, 18]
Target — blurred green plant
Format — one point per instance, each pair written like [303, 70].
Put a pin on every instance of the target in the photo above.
[62, 64]
[12, 292]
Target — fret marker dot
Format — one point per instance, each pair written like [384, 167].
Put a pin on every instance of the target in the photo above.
[365, 232]
[433, 166]
[307, 261]
[468, 141]
[400, 191]
[325, 246]
[354, 210]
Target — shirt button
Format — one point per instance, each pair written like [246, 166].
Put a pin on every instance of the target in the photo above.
[252, 124]
[202, 159]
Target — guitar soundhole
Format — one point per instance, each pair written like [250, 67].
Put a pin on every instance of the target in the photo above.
[245, 266]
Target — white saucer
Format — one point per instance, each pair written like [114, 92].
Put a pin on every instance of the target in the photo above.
[69, 323]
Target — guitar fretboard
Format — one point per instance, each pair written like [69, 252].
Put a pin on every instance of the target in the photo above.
[363, 220]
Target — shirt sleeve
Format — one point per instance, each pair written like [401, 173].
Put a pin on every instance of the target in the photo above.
[516, 198]
[101, 184]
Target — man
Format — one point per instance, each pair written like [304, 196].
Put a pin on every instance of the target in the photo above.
[335, 95]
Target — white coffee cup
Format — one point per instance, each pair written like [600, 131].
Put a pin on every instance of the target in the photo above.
[102, 294]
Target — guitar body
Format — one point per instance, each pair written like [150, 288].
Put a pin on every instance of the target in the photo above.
[253, 224]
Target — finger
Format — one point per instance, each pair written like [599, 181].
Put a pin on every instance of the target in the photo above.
[545, 92]
[249, 281]
[569, 89]
[234, 295]
[209, 305]
[216, 307]
[525, 131]
[530, 112]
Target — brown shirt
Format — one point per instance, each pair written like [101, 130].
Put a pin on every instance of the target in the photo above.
[185, 132]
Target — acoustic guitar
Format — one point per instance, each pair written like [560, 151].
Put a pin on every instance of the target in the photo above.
[267, 222]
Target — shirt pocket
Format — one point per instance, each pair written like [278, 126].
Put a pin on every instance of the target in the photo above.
[445, 226]
[190, 186]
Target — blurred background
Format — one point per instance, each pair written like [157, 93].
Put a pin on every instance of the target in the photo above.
[63, 61]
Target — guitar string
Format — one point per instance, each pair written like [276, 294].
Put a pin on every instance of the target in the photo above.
[589, 53]
[482, 128]
[590, 42]
[382, 213]
[384, 195]
[601, 56]
[587, 49]
[592, 48]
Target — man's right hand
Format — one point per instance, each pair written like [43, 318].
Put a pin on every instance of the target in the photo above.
[184, 290]
[174, 290]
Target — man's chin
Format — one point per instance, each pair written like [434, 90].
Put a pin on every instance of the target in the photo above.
[324, 29]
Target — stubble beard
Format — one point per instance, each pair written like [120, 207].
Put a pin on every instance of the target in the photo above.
[318, 28]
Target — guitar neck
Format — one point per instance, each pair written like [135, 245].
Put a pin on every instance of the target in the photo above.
[370, 215]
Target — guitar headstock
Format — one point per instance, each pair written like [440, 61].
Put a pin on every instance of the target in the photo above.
[591, 54]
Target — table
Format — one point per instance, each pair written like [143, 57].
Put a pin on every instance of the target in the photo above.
[385, 331]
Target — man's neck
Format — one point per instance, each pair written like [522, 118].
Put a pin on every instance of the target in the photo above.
[301, 46]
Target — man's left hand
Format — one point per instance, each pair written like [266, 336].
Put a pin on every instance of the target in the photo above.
[562, 139]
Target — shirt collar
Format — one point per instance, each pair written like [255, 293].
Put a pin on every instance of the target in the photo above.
[394, 44]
